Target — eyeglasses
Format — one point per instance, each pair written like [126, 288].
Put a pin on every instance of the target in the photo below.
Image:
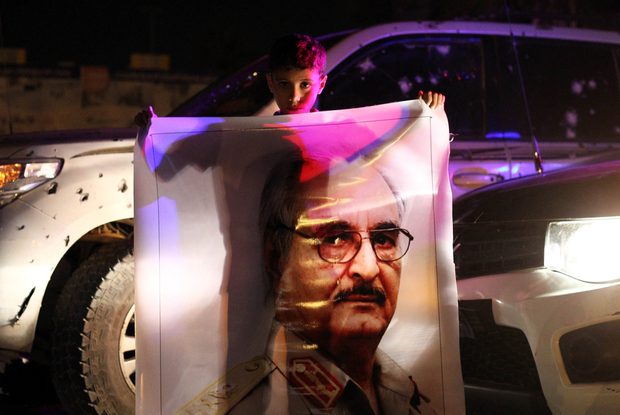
[341, 246]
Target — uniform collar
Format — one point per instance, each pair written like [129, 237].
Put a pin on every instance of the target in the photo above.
[309, 372]
[391, 376]
[321, 382]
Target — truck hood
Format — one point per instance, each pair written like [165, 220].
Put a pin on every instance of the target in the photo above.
[68, 136]
[587, 191]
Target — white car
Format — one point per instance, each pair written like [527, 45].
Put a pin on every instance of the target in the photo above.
[539, 293]
[514, 92]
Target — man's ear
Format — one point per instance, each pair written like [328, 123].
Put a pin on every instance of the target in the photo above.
[322, 84]
[269, 77]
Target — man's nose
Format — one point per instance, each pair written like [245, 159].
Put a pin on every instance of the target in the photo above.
[364, 263]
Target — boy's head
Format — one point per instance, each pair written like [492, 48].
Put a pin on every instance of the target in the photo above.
[296, 73]
[299, 52]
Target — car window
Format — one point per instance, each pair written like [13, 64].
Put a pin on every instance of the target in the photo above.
[506, 113]
[396, 69]
[572, 88]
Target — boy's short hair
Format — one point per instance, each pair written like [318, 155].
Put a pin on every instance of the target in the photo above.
[297, 51]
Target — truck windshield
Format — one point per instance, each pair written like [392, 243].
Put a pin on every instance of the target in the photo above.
[240, 94]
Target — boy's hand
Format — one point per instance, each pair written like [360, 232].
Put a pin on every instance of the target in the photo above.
[143, 118]
[433, 99]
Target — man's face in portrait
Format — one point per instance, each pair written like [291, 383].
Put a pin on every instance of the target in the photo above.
[333, 285]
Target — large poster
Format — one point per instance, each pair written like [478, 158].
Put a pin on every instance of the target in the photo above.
[296, 264]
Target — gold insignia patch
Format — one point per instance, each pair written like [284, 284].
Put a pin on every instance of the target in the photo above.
[220, 396]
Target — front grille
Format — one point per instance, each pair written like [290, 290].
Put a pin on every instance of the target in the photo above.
[492, 354]
[498, 367]
[493, 248]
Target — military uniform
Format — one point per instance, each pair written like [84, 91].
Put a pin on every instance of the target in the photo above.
[294, 378]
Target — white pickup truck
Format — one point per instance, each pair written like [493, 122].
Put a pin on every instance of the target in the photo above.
[66, 198]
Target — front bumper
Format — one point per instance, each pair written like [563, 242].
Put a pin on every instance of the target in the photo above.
[548, 308]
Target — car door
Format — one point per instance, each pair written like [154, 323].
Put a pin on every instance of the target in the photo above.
[397, 68]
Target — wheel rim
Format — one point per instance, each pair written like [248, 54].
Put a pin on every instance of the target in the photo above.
[127, 348]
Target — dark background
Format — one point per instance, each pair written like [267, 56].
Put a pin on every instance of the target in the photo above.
[216, 36]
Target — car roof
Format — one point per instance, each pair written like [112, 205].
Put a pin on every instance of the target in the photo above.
[371, 34]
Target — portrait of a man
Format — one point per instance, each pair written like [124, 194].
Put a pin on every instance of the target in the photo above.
[333, 249]
[297, 266]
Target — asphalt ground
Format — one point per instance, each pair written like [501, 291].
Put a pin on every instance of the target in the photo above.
[26, 389]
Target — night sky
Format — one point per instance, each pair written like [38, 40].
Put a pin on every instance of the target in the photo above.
[214, 37]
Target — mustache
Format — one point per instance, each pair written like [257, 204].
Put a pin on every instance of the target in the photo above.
[362, 289]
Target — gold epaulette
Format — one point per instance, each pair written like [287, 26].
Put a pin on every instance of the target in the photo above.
[220, 396]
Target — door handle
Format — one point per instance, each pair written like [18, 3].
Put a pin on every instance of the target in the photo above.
[475, 179]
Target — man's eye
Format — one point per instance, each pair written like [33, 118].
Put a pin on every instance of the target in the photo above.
[282, 84]
[383, 240]
[305, 85]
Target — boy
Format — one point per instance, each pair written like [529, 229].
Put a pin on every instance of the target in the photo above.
[296, 76]
[296, 73]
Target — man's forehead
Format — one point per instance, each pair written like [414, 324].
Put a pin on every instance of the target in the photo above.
[349, 194]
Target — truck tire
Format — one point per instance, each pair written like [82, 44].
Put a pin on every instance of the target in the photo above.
[93, 345]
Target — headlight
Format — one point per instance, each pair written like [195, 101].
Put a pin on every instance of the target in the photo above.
[584, 249]
[20, 176]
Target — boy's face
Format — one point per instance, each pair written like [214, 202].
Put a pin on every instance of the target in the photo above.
[295, 90]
